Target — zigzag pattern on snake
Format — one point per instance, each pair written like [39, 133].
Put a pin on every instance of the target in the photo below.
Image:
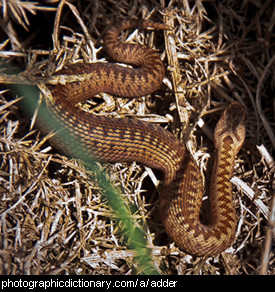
[117, 140]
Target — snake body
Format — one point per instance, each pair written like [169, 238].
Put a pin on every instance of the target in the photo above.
[122, 139]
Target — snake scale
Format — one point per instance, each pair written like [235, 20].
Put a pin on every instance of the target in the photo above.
[122, 139]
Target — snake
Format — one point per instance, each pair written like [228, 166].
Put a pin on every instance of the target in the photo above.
[110, 139]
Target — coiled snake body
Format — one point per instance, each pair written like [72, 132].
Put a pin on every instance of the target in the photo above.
[117, 140]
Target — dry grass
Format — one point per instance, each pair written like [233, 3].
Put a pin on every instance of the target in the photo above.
[53, 217]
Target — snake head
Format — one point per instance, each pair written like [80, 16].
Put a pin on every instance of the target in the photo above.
[231, 125]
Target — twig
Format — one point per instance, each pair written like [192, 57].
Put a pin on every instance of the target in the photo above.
[258, 103]
[250, 194]
[172, 57]
[270, 233]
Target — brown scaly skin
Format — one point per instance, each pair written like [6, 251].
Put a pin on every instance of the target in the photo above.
[117, 140]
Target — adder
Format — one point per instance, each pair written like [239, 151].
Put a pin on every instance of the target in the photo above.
[121, 139]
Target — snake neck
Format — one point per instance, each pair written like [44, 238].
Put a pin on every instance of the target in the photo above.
[223, 209]
[186, 227]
